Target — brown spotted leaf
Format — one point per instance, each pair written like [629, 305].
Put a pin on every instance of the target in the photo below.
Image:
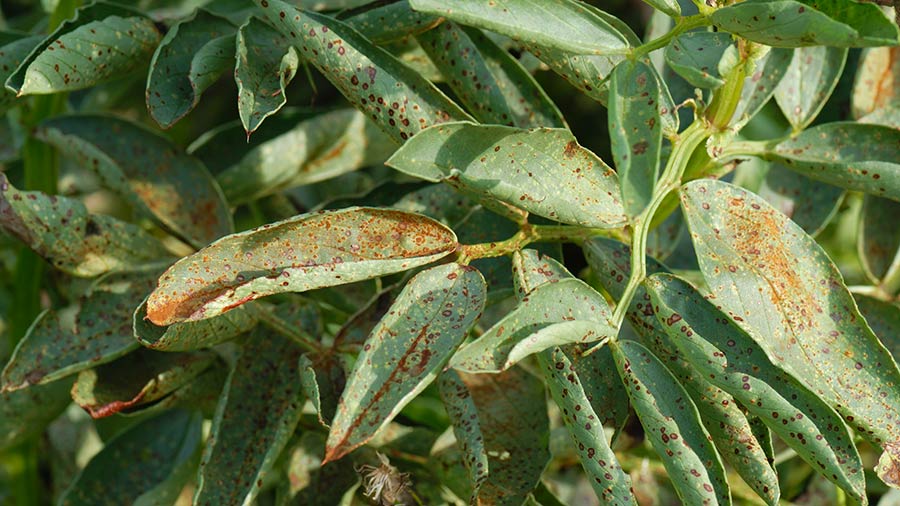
[878, 237]
[877, 82]
[759, 87]
[61, 230]
[192, 335]
[799, 312]
[256, 417]
[399, 100]
[406, 351]
[388, 21]
[543, 171]
[14, 48]
[808, 82]
[28, 411]
[301, 253]
[324, 378]
[147, 170]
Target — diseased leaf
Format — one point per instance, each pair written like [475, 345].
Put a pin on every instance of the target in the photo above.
[809, 203]
[28, 411]
[463, 412]
[611, 484]
[448, 207]
[564, 312]
[139, 460]
[60, 230]
[723, 352]
[487, 79]
[801, 315]
[301, 253]
[879, 237]
[759, 87]
[398, 99]
[888, 115]
[884, 320]
[356, 329]
[146, 169]
[670, 7]
[51, 350]
[200, 394]
[256, 417]
[561, 24]
[388, 21]
[13, 52]
[406, 351]
[309, 483]
[543, 171]
[324, 378]
[640, 112]
[531, 269]
[877, 82]
[135, 379]
[266, 64]
[797, 23]
[192, 335]
[104, 41]
[190, 58]
[695, 56]
[808, 82]
[672, 425]
[849, 155]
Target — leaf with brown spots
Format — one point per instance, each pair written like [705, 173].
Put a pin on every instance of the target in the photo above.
[60, 230]
[798, 23]
[190, 58]
[543, 171]
[730, 358]
[257, 414]
[877, 81]
[695, 56]
[103, 42]
[28, 411]
[324, 378]
[194, 335]
[800, 313]
[298, 254]
[406, 351]
[807, 202]
[309, 483]
[487, 79]
[398, 99]
[672, 425]
[878, 240]
[147, 170]
[14, 48]
[388, 21]
[884, 320]
[808, 82]
[759, 86]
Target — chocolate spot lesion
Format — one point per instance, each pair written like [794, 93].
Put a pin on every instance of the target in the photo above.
[91, 228]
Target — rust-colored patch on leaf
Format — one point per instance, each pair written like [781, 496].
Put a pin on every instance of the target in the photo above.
[888, 467]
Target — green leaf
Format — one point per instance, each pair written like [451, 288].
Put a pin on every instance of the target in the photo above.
[884, 320]
[797, 23]
[356, 329]
[640, 112]
[12, 53]
[888, 115]
[192, 335]
[801, 314]
[51, 350]
[672, 424]
[190, 58]
[324, 377]
[398, 99]
[721, 351]
[319, 148]
[877, 81]
[266, 64]
[849, 155]
[611, 484]
[695, 56]
[200, 394]
[448, 207]
[809, 203]
[103, 42]
[138, 378]
[808, 82]
[388, 21]
[28, 411]
[759, 87]
[487, 79]
[61, 230]
[878, 237]
[406, 351]
[556, 313]
[308, 482]
[670, 7]
[501, 423]
[531, 269]
[565, 24]
[301, 253]
[543, 171]
[144, 168]
[137, 461]
[256, 417]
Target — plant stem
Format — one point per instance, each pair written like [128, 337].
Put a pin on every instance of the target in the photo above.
[534, 233]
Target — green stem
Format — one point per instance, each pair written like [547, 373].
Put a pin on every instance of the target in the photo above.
[534, 233]
[684, 24]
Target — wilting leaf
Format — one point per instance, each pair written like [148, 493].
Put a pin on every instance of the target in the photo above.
[877, 82]
[695, 56]
[135, 379]
[189, 59]
[487, 79]
[672, 425]
[794, 23]
[12, 52]
[801, 315]
[60, 230]
[192, 335]
[808, 82]
[542, 171]
[849, 155]
[809, 203]
[266, 64]
[103, 42]
[305, 252]
[256, 417]
[406, 351]
[388, 21]
[399, 99]
[51, 350]
[324, 378]
[28, 411]
[879, 236]
[146, 169]
[137, 461]
[611, 484]
[640, 110]
[564, 24]
[721, 351]
[759, 87]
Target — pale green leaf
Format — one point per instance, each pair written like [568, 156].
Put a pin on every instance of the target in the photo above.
[388, 21]
[192, 335]
[12, 53]
[878, 236]
[809, 203]
[695, 56]
[808, 82]
[759, 86]
[877, 81]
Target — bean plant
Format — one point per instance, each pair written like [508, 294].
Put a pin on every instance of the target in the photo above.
[493, 252]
